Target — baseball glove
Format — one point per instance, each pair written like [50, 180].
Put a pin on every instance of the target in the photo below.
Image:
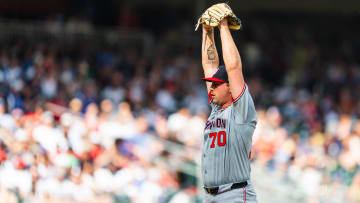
[213, 15]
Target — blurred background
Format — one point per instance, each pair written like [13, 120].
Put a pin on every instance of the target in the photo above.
[100, 101]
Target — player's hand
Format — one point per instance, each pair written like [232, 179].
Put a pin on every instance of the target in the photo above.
[216, 13]
[207, 27]
[223, 23]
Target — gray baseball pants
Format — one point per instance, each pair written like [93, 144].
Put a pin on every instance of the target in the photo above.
[239, 195]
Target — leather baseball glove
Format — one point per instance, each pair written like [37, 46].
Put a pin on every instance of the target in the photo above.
[213, 15]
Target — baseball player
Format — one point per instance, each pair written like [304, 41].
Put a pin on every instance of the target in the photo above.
[230, 126]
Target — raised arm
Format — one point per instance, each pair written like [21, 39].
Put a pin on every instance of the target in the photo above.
[232, 60]
[209, 54]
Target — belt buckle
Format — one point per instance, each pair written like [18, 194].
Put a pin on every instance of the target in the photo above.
[212, 191]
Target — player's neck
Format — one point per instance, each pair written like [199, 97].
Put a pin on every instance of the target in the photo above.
[228, 103]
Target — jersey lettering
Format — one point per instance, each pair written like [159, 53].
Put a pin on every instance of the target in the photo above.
[220, 137]
[221, 140]
[218, 123]
[213, 136]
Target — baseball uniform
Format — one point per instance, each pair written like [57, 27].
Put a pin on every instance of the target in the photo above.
[226, 151]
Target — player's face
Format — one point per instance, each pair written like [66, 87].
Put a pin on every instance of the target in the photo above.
[220, 92]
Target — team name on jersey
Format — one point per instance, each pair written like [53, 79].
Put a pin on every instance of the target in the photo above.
[216, 123]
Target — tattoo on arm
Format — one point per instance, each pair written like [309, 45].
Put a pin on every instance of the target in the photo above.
[211, 50]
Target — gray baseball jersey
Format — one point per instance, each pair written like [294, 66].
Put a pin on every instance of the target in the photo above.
[227, 141]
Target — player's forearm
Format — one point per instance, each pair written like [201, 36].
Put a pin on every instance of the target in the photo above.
[231, 54]
[209, 54]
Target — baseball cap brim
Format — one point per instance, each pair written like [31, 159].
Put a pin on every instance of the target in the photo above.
[212, 79]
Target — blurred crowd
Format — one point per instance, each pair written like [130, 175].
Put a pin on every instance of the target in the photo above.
[78, 124]
[75, 128]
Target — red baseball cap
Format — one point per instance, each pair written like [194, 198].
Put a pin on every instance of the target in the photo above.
[219, 76]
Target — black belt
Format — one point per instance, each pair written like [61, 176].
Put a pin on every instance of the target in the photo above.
[215, 190]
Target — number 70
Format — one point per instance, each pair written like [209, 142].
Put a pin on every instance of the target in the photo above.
[220, 137]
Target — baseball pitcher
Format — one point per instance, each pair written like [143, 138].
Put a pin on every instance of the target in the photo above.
[231, 124]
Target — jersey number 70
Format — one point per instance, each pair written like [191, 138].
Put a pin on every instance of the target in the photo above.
[220, 137]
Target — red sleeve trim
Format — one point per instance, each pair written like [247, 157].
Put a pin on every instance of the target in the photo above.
[237, 98]
[242, 92]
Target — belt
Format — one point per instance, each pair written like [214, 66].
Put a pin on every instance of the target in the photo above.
[215, 190]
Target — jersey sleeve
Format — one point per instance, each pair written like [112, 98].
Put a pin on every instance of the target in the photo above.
[244, 108]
